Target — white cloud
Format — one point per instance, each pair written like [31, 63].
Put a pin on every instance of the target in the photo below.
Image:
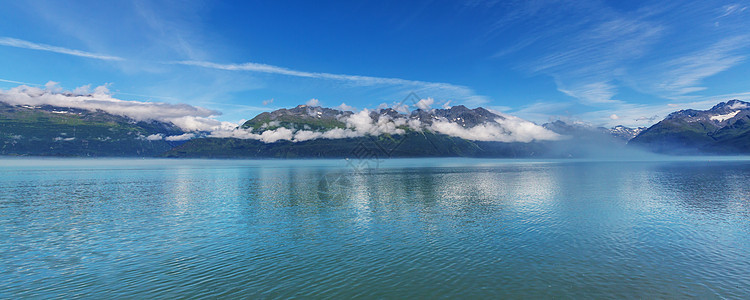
[196, 120]
[591, 93]
[271, 136]
[499, 108]
[509, 129]
[181, 137]
[614, 117]
[337, 133]
[639, 115]
[683, 75]
[18, 82]
[344, 107]
[285, 134]
[102, 90]
[185, 116]
[82, 90]
[196, 123]
[402, 108]
[53, 87]
[11, 42]
[267, 102]
[585, 60]
[313, 102]
[456, 91]
[155, 137]
[361, 121]
[505, 129]
[738, 106]
[599, 49]
[544, 111]
[732, 9]
[425, 104]
[665, 50]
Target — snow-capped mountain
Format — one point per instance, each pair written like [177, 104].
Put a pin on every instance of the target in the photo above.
[310, 122]
[720, 115]
[725, 128]
[580, 129]
[625, 133]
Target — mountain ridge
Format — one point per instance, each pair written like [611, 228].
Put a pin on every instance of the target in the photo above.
[58, 131]
[722, 129]
[329, 132]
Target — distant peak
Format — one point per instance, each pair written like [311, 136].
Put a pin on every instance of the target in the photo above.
[732, 104]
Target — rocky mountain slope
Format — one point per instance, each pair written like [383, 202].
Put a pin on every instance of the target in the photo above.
[312, 131]
[723, 129]
[58, 131]
[619, 133]
[301, 117]
[455, 131]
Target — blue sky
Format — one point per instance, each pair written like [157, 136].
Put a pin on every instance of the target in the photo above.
[603, 62]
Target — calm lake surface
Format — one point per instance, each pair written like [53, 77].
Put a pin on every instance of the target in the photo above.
[430, 228]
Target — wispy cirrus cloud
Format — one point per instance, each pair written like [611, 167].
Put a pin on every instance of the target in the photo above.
[19, 82]
[464, 93]
[637, 115]
[12, 42]
[358, 79]
[622, 113]
[732, 9]
[600, 92]
[585, 66]
[683, 75]
[600, 47]
[663, 51]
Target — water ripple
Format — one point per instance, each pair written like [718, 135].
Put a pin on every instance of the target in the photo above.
[268, 229]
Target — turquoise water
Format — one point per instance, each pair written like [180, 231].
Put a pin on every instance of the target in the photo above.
[428, 228]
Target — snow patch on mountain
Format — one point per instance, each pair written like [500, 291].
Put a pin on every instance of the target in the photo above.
[722, 118]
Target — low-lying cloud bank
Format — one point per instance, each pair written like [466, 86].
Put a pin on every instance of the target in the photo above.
[198, 121]
[357, 125]
[187, 117]
[505, 129]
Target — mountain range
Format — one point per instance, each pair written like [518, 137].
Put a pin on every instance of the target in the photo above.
[723, 129]
[57, 131]
[313, 131]
[455, 131]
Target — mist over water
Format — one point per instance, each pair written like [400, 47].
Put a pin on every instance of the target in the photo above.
[403, 228]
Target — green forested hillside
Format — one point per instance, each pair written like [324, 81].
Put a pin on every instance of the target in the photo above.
[52, 131]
